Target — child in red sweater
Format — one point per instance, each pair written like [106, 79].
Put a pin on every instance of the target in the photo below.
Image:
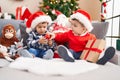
[78, 37]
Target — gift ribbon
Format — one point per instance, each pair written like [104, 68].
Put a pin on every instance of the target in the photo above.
[93, 49]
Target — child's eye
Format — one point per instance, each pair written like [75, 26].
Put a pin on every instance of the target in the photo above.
[44, 26]
[74, 25]
[39, 26]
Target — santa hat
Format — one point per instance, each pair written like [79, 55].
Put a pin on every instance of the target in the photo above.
[35, 19]
[83, 17]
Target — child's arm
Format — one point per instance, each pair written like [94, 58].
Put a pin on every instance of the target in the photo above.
[50, 42]
[43, 40]
[32, 41]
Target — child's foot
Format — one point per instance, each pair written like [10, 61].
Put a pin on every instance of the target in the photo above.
[49, 54]
[109, 53]
[65, 54]
[25, 53]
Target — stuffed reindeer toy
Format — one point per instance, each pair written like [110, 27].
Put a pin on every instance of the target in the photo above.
[21, 50]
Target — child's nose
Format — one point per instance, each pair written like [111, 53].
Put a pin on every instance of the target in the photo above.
[42, 28]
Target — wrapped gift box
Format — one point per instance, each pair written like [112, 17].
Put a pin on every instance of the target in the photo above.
[92, 50]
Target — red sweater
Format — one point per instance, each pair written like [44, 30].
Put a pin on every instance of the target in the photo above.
[76, 43]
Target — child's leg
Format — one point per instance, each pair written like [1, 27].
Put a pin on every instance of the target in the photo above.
[48, 54]
[65, 53]
[75, 55]
[25, 53]
[34, 52]
[109, 53]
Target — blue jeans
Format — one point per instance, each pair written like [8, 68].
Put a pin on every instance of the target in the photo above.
[37, 52]
[76, 55]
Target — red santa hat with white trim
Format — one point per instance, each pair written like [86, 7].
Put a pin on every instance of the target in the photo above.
[35, 19]
[83, 17]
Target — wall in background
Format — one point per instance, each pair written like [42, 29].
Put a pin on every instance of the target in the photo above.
[92, 6]
[11, 5]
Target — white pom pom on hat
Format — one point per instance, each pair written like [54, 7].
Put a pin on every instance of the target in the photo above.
[35, 19]
[61, 18]
[83, 17]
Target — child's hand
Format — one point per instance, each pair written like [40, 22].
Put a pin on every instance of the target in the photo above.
[43, 40]
[50, 36]
[50, 42]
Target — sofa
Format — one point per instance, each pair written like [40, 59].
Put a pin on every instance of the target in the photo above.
[100, 28]
[109, 71]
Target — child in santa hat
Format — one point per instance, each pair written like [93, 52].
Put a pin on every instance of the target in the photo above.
[78, 37]
[38, 42]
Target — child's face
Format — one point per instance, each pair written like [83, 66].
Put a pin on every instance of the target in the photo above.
[77, 27]
[41, 27]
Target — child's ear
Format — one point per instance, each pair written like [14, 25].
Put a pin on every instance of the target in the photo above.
[85, 29]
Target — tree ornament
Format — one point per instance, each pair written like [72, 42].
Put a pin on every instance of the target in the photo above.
[47, 7]
[104, 11]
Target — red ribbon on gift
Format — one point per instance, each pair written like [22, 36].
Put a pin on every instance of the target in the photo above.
[93, 49]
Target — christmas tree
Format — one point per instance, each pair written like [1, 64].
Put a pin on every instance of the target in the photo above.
[67, 7]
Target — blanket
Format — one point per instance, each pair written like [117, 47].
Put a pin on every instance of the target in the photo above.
[52, 67]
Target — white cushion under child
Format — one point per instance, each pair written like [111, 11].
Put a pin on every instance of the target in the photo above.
[52, 67]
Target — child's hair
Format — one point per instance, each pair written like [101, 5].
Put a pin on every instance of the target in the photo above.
[74, 19]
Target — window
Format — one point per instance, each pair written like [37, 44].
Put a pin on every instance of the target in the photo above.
[113, 17]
